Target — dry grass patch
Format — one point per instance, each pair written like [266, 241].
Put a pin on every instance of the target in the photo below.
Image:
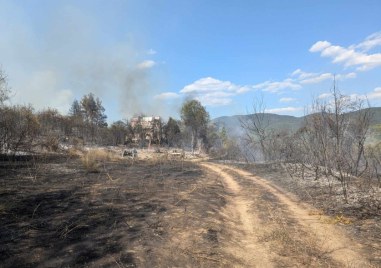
[93, 159]
[296, 246]
[74, 152]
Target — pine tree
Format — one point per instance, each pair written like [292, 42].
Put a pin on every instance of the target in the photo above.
[93, 114]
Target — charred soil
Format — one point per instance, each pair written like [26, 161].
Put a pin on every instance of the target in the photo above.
[59, 211]
[130, 213]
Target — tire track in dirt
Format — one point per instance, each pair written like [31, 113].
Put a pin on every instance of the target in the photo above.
[332, 240]
[249, 250]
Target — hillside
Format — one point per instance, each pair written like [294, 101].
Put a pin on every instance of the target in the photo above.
[233, 127]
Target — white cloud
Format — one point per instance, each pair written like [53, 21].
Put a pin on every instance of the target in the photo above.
[354, 55]
[275, 87]
[219, 94]
[319, 46]
[355, 97]
[325, 96]
[302, 75]
[209, 84]
[346, 76]
[375, 94]
[317, 79]
[370, 42]
[167, 96]
[210, 100]
[147, 64]
[243, 89]
[296, 72]
[314, 78]
[287, 99]
[298, 79]
[285, 110]
[213, 92]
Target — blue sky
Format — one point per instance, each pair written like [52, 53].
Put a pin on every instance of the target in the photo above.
[149, 56]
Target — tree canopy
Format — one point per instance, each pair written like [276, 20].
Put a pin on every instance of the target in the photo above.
[194, 116]
[172, 131]
[93, 110]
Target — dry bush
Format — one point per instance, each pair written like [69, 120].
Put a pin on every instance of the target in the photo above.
[94, 158]
[78, 143]
[74, 152]
[19, 128]
[50, 143]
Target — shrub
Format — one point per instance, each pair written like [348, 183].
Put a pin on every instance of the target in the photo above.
[93, 159]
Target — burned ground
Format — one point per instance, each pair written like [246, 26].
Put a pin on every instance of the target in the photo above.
[53, 213]
[359, 218]
[58, 211]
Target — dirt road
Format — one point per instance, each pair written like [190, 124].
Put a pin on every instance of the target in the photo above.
[160, 213]
[273, 229]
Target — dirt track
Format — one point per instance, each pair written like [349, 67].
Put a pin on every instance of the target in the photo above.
[324, 244]
[160, 213]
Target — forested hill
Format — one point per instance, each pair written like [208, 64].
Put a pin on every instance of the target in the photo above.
[233, 127]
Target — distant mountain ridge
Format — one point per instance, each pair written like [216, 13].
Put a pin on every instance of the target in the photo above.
[233, 127]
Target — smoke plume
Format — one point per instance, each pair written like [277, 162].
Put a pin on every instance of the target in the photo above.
[65, 54]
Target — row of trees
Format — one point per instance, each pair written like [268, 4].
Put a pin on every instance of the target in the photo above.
[331, 144]
[332, 141]
[24, 129]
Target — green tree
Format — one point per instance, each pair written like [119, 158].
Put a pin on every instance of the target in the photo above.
[76, 119]
[224, 136]
[93, 113]
[119, 131]
[172, 132]
[75, 109]
[210, 137]
[196, 118]
[93, 110]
